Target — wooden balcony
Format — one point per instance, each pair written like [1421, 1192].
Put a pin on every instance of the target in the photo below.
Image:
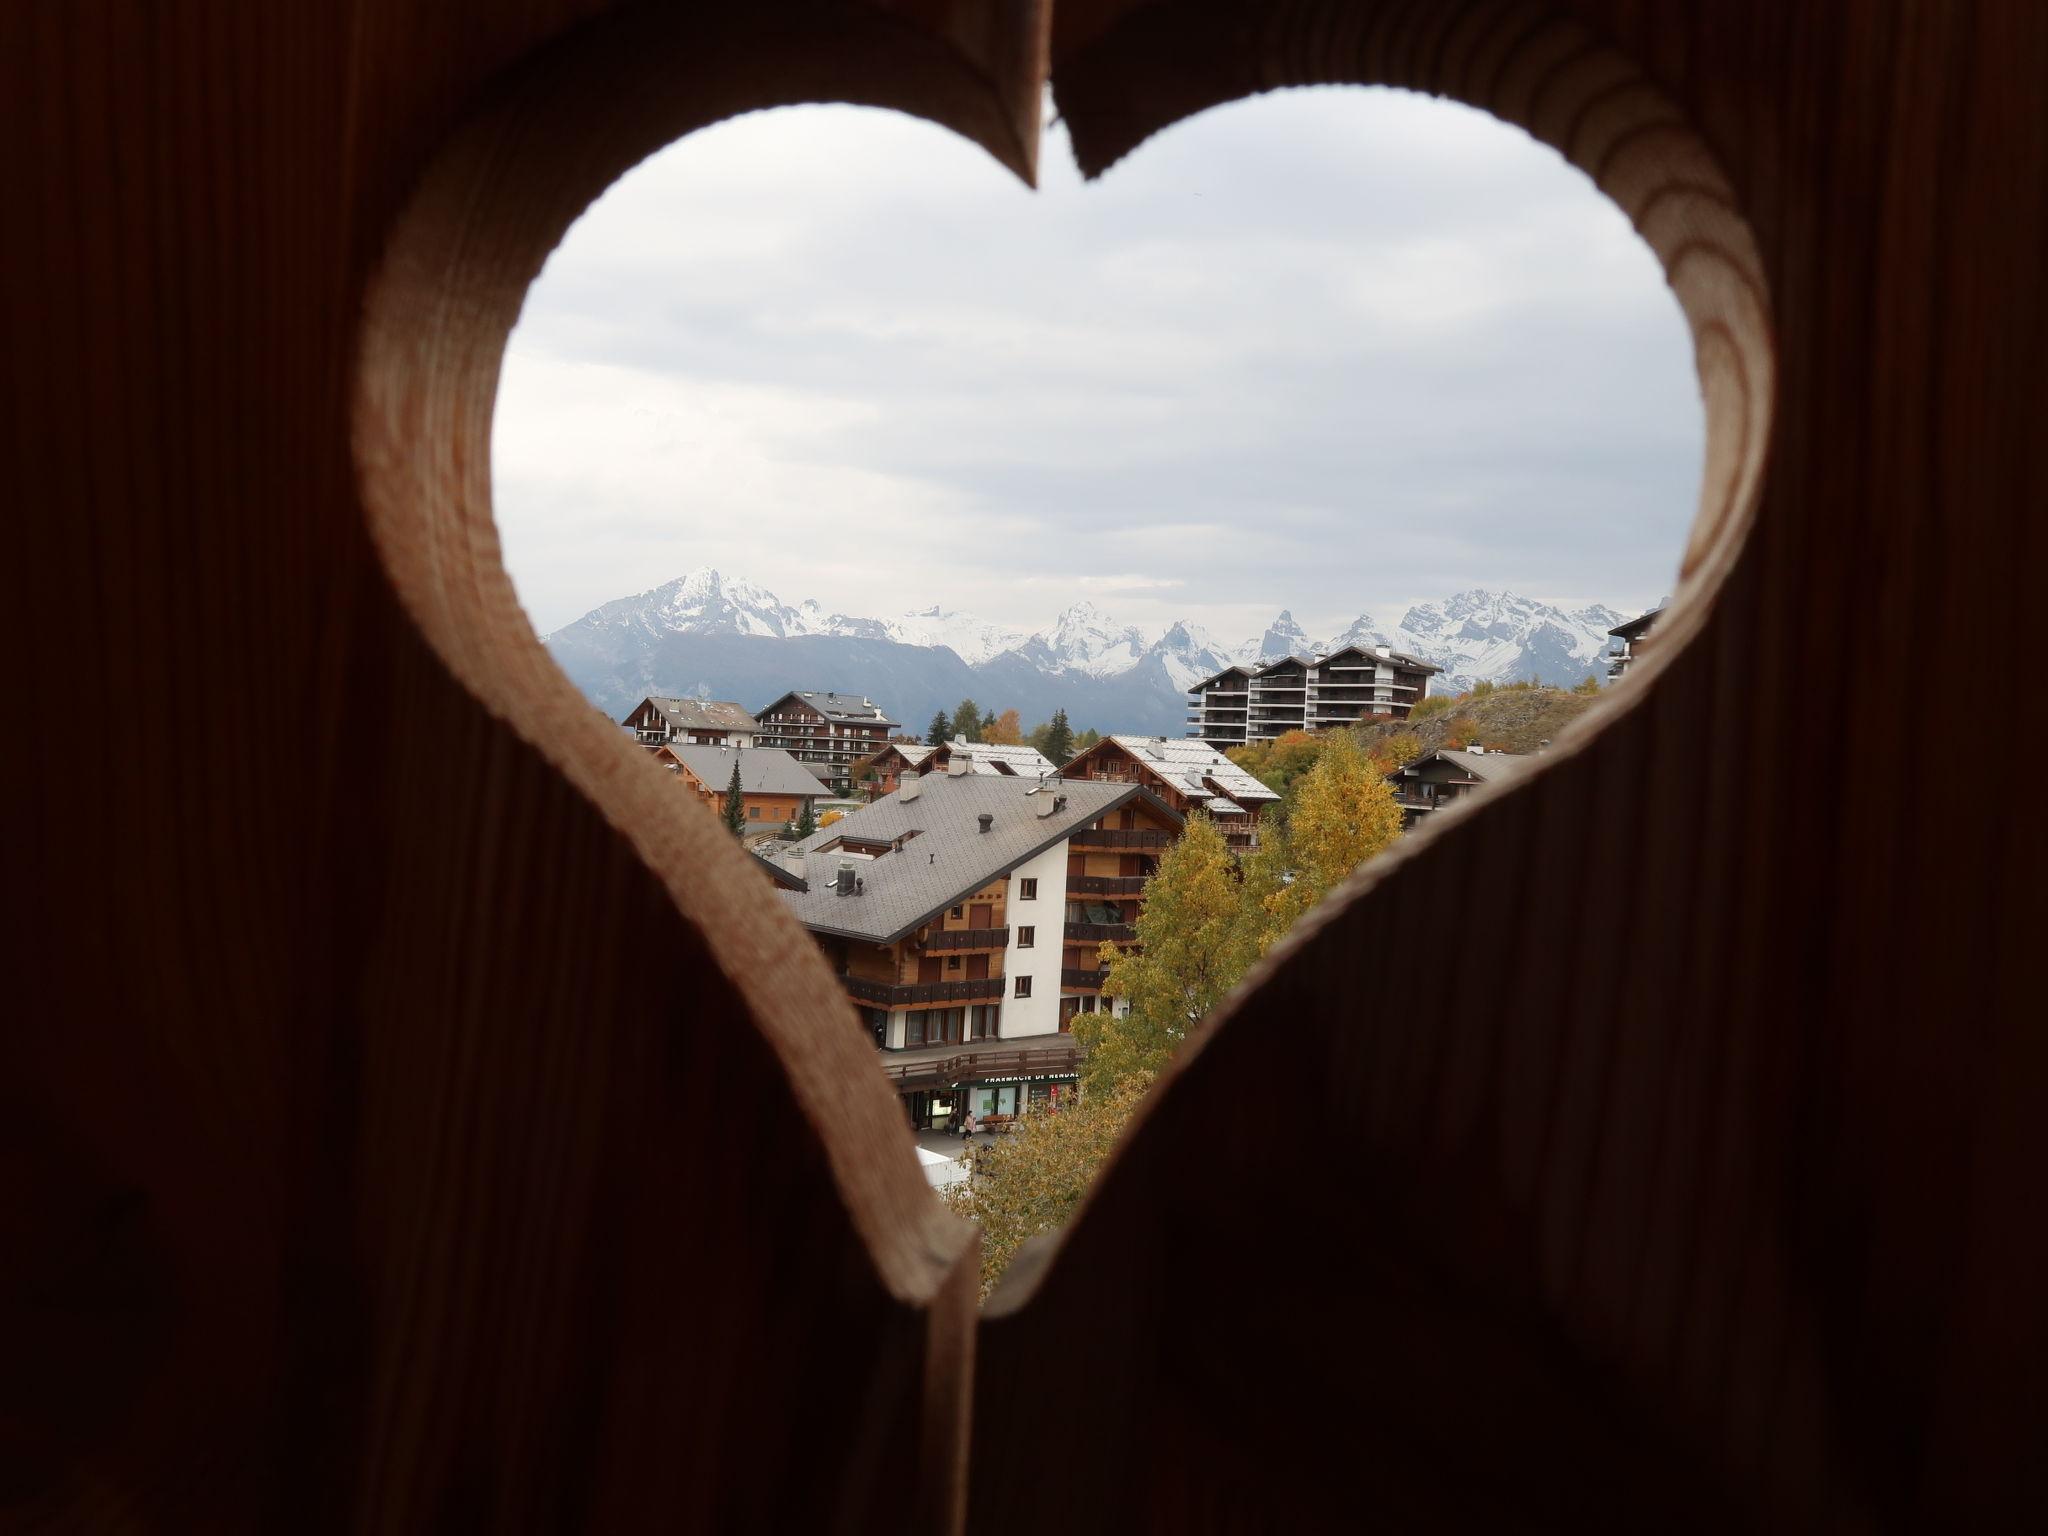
[1096, 933]
[1121, 837]
[1106, 885]
[1090, 981]
[1059, 1057]
[967, 938]
[910, 994]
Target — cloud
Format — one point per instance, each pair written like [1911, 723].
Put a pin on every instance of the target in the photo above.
[1330, 350]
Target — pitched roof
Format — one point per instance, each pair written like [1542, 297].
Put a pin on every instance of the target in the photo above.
[1487, 767]
[1373, 653]
[1636, 627]
[1191, 765]
[1202, 682]
[943, 854]
[763, 770]
[846, 708]
[997, 758]
[702, 714]
[763, 855]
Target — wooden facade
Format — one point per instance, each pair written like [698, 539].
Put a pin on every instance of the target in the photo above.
[376, 1187]
[826, 740]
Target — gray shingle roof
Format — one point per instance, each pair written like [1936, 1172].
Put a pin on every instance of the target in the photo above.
[1487, 767]
[763, 770]
[702, 714]
[946, 856]
[1398, 658]
[846, 708]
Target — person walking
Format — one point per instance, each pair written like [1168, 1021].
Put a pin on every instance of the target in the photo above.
[969, 1126]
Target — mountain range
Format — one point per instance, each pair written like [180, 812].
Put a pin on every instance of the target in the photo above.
[706, 635]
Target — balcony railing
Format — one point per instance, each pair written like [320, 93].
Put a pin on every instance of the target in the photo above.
[1095, 933]
[1087, 980]
[1055, 1059]
[906, 994]
[1106, 885]
[1120, 837]
[968, 938]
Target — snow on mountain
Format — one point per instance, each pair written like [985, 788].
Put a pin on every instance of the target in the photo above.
[693, 635]
[972, 640]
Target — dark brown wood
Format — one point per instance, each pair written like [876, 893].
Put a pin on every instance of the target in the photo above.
[366, 1167]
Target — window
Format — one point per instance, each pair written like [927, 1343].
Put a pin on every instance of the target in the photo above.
[952, 962]
[1023, 987]
[956, 912]
[1027, 890]
[1026, 937]
[753, 813]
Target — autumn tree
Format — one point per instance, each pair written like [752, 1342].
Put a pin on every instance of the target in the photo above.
[1588, 684]
[967, 721]
[1194, 943]
[1007, 729]
[1397, 751]
[939, 731]
[1344, 813]
[830, 817]
[1029, 1182]
[735, 803]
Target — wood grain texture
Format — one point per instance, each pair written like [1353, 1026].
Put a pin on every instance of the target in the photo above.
[360, 1172]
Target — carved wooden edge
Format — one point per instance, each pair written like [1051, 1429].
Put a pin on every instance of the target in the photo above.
[1549, 75]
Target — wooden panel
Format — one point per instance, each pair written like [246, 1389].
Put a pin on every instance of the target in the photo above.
[368, 1165]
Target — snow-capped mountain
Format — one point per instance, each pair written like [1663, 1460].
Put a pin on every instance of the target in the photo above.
[712, 636]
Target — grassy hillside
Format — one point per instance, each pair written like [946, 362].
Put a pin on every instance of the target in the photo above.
[1514, 718]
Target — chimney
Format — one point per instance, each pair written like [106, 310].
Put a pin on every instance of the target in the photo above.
[1476, 750]
[1048, 802]
[907, 784]
[793, 861]
[1383, 650]
[959, 765]
[842, 882]
[987, 820]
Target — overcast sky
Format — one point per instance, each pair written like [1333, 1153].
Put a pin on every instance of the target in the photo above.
[1334, 350]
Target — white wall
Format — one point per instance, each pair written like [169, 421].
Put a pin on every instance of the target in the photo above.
[1038, 1014]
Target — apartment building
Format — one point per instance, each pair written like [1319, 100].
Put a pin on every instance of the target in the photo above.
[1185, 776]
[963, 915]
[698, 722]
[1306, 693]
[827, 732]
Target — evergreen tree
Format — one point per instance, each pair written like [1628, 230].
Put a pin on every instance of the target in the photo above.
[735, 803]
[1083, 742]
[967, 721]
[807, 820]
[940, 730]
[1059, 739]
[1196, 940]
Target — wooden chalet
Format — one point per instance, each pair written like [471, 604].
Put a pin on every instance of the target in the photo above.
[656, 720]
[827, 732]
[774, 787]
[1187, 775]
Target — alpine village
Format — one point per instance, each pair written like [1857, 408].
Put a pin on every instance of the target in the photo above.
[1028, 921]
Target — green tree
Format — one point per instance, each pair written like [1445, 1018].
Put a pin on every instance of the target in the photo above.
[967, 721]
[1059, 739]
[1082, 743]
[1029, 1182]
[1194, 944]
[806, 822]
[1344, 812]
[735, 803]
[939, 732]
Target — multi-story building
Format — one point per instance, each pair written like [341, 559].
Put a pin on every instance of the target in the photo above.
[774, 787]
[1185, 776]
[1306, 693]
[826, 732]
[1447, 775]
[989, 757]
[1631, 635]
[964, 914]
[698, 722]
